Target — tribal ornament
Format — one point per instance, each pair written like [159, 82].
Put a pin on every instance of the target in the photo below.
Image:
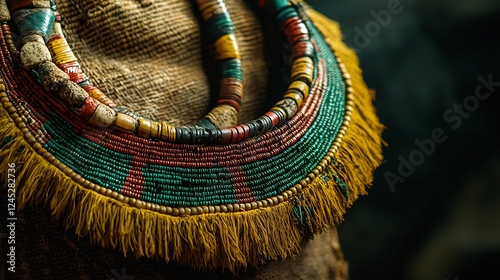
[214, 195]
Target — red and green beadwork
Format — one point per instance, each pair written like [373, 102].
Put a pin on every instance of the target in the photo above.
[220, 125]
[254, 164]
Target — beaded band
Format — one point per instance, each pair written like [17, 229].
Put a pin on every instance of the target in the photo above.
[206, 206]
[218, 127]
[246, 172]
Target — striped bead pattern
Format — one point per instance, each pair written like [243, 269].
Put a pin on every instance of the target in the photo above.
[219, 126]
[221, 34]
[254, 173]
[182, 179]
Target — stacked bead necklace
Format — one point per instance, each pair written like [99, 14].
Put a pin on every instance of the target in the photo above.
[154, 190]
[46, 53]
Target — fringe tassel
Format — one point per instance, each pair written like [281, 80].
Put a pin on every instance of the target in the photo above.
[227, 241]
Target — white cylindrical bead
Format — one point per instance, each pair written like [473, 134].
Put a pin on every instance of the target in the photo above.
[34, 53]
[103, 116]
[4, 11]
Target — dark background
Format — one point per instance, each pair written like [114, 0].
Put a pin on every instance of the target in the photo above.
[440, 218]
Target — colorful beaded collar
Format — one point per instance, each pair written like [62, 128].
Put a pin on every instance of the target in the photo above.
[45, 51]
[241, 201]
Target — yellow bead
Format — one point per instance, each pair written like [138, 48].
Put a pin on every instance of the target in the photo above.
[144, 129]
[155, 130]
[167, 132]
[300, 86]
[125, 123]
[99, 95]
[302, 69]
[226, 47]
[61, 51]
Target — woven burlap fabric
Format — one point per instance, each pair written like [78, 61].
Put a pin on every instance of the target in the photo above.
[154, 58]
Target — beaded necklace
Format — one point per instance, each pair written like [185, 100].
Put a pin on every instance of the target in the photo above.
[207, 206]
[50, 58]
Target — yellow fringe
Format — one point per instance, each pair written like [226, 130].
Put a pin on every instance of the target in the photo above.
[210, 241]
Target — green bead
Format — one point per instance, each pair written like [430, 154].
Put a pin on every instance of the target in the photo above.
[34, 21]
[219, 25]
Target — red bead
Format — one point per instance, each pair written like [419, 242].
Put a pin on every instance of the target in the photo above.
[295, 30]
[234, 135]
[89, 107]
[75, 73]
[246, 130]
[303, 48]
[226, 136]
[241, 133]
[274, 118]
[230, 102]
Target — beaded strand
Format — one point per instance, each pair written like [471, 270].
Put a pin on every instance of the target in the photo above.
[61, 73]
[221, 34]
[269, 181]
[65, 59]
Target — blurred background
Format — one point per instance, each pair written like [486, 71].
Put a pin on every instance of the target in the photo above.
[434, 209]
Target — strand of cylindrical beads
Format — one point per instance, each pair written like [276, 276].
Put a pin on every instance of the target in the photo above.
[60, 73]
